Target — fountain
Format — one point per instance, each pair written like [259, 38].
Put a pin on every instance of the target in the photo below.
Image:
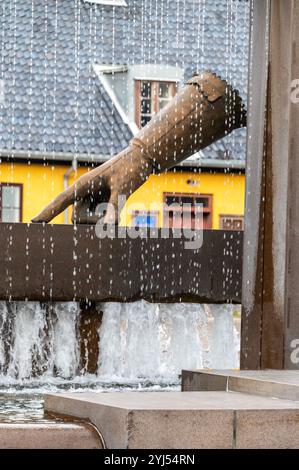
[50, 339]
[137, 342]
[87, 343]
[247, 408]
[67, 324]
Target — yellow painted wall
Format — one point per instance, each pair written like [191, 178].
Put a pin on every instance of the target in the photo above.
[228, 192]
[41, 183]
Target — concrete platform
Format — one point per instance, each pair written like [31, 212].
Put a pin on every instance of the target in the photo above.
[269, 383]
[49, 436]
[177, 420]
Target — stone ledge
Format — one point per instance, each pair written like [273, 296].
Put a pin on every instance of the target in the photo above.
[268, 383]
[176, 420]
[48, 436]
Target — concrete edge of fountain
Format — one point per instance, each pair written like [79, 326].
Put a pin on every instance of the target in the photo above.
[182, 420]
[56, 435]
[282, 384]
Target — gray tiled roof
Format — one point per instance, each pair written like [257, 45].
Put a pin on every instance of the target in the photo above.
[54, 102]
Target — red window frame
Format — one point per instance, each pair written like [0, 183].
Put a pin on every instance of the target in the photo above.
[207, 210]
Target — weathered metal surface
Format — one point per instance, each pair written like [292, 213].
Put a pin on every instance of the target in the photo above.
[252, 289]
[273, 290]
[202, 112]
[291, 314]
[60, 262]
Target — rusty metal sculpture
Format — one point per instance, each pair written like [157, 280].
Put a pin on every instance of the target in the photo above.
[202, 112]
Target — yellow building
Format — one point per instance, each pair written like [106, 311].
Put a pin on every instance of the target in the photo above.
[26, 188]
[86, 81]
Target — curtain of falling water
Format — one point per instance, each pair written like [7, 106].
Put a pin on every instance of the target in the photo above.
[160, 340]
[137, 340]
[163, 339]
[38, 340]
[42, 340]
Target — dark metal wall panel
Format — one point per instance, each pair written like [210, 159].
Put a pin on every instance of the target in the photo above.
[291, 314]
[59, 262]
[253, 275]
[270, 320]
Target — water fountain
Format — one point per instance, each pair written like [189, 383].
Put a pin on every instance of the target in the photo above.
[41, 342]
[57, 345]
[94, 344]
[66, 323]
[49, 339]
[247, 408]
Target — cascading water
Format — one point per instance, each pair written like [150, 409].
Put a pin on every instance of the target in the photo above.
[141, 346]
[150, 340]
[38, 340]
[137, 341]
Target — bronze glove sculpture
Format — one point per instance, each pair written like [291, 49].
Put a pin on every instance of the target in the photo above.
[203, 111]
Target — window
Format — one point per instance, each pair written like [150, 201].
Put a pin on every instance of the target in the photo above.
[232, 222]
[2, 95]
[116, 3]
[10, 202]
[151, 97]
[144, 219]
[181, 211]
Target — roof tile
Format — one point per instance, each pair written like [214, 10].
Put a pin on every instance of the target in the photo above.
[58, 104]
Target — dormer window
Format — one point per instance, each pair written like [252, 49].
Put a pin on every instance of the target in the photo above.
[139, 91]
[150, 98]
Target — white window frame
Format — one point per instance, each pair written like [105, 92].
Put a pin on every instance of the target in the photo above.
[114, 3]
[102, 70]
[2, 91]
[18, 207]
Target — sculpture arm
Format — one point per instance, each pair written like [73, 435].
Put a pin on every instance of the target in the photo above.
[204, 111]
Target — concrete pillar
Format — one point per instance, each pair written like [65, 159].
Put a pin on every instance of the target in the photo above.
[270, 324]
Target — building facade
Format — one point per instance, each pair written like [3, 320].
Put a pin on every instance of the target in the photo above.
[79, 77]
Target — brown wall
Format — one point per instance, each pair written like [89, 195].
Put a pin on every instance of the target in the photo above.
[63, 263]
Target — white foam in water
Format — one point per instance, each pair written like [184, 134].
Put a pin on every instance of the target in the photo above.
[137, 340]
[3, 332]
[41, 339]
[65, 342]
[150, 340]
[224, 353]
[29, 330]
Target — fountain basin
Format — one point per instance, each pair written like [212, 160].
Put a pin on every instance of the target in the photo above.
[56, 435]
[184, 420]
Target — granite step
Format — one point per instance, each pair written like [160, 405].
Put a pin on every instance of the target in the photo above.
[268, 383]
[184, 420]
